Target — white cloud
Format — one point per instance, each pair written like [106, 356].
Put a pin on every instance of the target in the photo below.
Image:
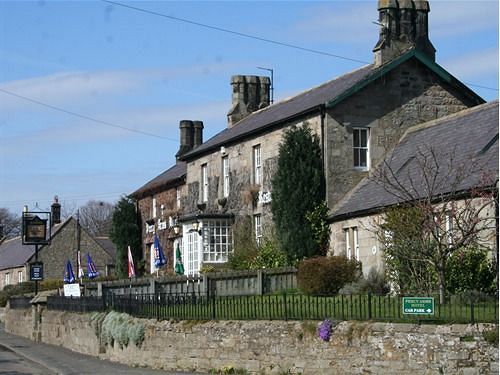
[63, 88]
[161, 121]
[457, 18]
[475, 65]
[337, 22]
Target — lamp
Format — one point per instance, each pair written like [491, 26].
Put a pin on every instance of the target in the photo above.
[177, 228]
[196, 227]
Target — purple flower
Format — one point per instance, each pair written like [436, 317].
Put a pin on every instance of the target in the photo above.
[325, 330]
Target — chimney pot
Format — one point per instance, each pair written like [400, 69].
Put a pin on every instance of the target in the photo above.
[197, 133]
[405, 26]
[55, 209]
[186, 137]
[250, 93]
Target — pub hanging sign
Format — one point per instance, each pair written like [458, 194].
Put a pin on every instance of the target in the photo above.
[36, 228]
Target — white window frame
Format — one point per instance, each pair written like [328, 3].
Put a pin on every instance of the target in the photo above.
[225, 176]
[19, 277]
[355, 236]
[257, 165]
[191, 252]
[204, 182]
[359, 149]
[7, 278]
[257, 223]
[347, 238]
[153, 215]
[217, 240]
[178, 197]
[449, 228]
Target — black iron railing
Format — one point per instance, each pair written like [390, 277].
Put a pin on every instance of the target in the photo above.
[195, 306]
[20, 302]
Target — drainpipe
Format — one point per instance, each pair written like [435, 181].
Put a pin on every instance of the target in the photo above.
[324, 149]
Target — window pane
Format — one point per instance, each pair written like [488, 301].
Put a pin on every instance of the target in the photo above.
[356, 157]
[362, 159]
[355, 139]
[364, 134]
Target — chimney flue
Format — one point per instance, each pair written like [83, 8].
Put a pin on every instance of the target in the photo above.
[55, 209]
[249, 94]
[186, 137]
[404, 25]
[197, 133]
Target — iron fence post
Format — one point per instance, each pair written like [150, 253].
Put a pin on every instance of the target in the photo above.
[369, 305]
[472, 311]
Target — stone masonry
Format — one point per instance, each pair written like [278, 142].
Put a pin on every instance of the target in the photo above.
[278, 347]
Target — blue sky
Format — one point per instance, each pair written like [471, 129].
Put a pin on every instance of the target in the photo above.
[144, 72]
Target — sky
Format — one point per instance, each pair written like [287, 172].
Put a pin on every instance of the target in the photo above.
[91, 92]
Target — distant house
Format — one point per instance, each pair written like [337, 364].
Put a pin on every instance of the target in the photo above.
[16, 257]
[465, 158]
[359, 117]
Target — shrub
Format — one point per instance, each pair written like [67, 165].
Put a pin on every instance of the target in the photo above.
[122, 328]
[326, 275]
[269, 255]
[15, 290]
[491, 336]
[245, 247]
[374, 283]
[470, 269]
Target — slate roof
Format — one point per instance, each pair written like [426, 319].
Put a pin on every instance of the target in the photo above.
[468, 140]
[14, 254]
[329, 94]
[107, 245]
[167, 178]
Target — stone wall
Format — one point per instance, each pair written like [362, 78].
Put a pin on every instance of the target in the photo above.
[277, 347]
[410, 94]
[242, 188]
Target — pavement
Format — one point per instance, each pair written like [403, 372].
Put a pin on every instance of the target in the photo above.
[59, 360]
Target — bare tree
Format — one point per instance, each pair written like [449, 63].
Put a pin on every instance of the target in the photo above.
[452, 199]
[10, 224]
[96, 217]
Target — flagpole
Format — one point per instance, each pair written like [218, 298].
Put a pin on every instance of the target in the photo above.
[78, 240]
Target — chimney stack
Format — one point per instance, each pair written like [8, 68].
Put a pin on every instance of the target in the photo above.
[404, 25]
[55, 209]
[191, 136]
[197, 133]
[250, 93]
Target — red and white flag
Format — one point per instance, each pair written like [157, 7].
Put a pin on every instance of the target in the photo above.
[131, 268]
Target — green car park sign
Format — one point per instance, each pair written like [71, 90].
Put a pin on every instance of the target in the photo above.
[418, 305]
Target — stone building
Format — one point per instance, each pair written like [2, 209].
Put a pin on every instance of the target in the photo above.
[159, 204]
[16, 257]
[465, 147]
[358, 118]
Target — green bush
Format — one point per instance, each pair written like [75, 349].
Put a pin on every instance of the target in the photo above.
[326, 275]
[375, 283]
[245, 247]
[269, 255]
[469, 269]
[15, 290]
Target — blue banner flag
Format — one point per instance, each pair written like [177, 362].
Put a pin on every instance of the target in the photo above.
[160, 259]
[69, 276]
[91, 268]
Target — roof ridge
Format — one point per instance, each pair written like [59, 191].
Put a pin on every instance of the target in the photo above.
[290, 98]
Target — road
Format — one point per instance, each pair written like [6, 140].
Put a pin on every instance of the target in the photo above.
[20, 356]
